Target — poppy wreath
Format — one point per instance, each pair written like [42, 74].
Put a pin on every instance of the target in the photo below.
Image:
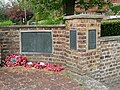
[39, 65]
[48, 66]
[54, 67]
[13, 60]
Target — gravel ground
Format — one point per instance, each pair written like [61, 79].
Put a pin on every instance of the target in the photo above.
[20, 78]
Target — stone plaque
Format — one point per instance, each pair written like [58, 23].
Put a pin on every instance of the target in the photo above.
[36, 42]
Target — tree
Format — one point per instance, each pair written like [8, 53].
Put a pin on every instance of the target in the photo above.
[1, 11]
[116, 9]
[42, 9]
[16, 14]
[45, 9]
[2, 7]
[84, 4]
[46, 6]
[25, 5]
[68, 7]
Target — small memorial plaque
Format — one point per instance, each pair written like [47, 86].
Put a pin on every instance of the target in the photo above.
[92, 39]
[73, 39]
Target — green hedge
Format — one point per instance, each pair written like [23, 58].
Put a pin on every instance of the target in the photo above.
[110, 28]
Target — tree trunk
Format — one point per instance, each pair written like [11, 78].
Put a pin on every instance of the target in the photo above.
[68, 7]
[25, 15]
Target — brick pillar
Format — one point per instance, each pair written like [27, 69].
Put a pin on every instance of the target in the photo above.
[85, 59]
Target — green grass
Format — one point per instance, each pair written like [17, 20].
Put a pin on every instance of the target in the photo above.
[6, 23]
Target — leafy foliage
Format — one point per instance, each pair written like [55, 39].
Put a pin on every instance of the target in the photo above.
[6, 23]
[86, 4]
[47, 10]
[44, 9]
[17, 15]
[50, 21]
[2, 16]
[110, 28]
[116, 9]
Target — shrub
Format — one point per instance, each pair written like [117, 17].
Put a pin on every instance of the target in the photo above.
[48, 22]
[110, 28]
[6, 23]
[51, 21]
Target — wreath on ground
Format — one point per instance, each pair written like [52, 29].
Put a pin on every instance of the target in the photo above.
[13, 60]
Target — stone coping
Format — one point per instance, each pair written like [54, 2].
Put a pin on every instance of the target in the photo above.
[84, 16]
[110, 38]
[34, 26]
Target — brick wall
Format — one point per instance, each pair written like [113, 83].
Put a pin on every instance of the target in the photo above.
[101, 63]
[11, 42]
[110, 58]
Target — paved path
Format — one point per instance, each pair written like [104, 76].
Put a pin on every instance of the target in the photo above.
[33, 79]
[114, 85]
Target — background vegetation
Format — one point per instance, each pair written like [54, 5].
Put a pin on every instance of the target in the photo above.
[44, 11]
[110, 28]
[6, 23]
[116, 9]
